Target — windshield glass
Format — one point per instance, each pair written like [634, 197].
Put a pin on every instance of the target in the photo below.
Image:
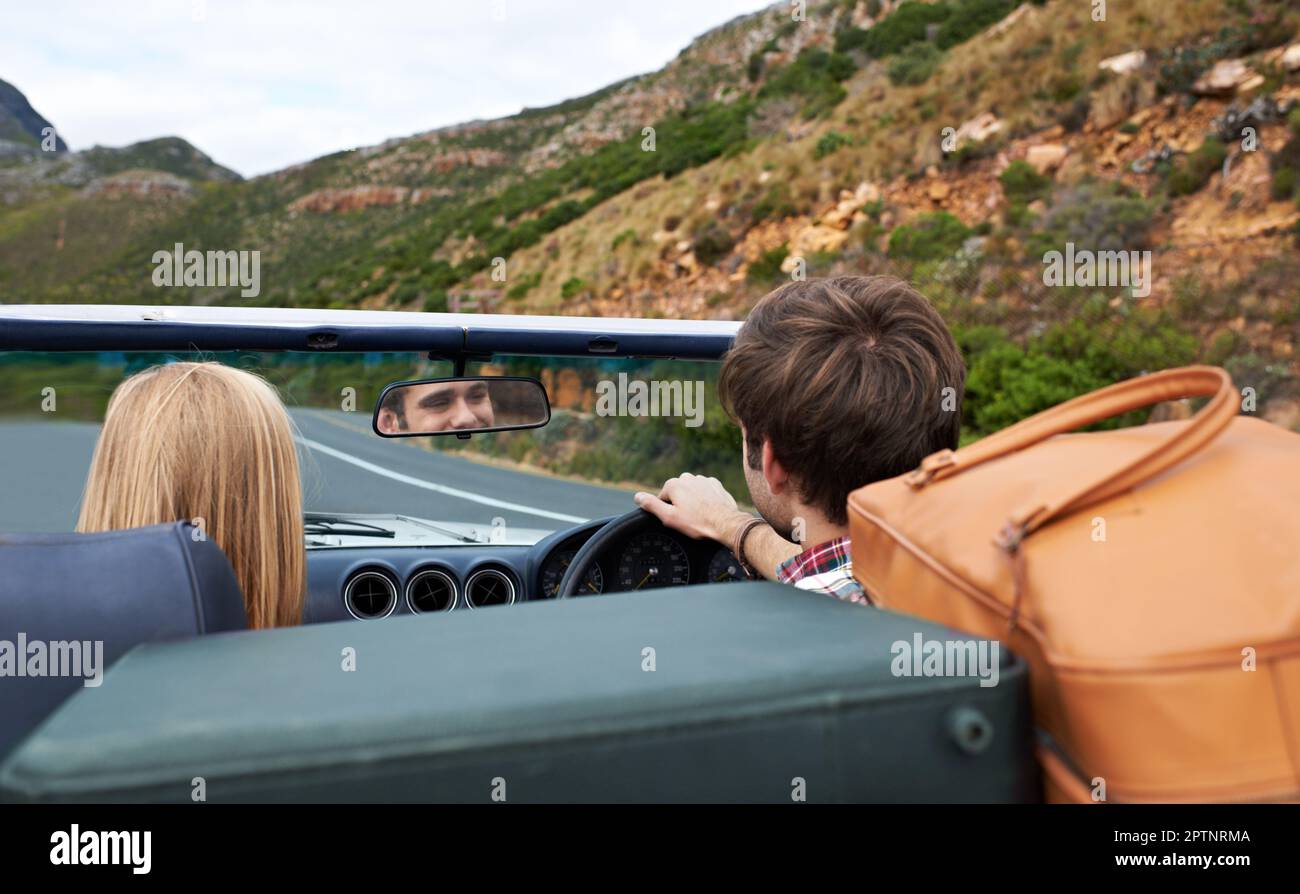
[617, 425]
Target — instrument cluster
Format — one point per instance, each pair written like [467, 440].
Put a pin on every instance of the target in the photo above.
[645, 561]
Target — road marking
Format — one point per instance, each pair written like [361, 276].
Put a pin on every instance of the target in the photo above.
[437, 488]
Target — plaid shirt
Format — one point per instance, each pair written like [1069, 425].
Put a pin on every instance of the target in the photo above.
[826, 568]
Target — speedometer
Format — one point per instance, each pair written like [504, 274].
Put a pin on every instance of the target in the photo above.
[653, 560]
[553, 574]
[724, 567]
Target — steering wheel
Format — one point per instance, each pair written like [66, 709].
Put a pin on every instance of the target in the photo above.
[624, 525]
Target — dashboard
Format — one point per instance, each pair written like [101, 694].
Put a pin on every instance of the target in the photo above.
[373, 580]
[641, 561]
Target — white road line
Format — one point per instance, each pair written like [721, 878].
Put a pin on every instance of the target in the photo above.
[437, 488]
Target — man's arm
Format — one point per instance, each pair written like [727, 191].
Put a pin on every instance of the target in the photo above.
[701, 507]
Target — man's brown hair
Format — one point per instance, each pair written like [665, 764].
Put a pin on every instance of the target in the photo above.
[846, 378]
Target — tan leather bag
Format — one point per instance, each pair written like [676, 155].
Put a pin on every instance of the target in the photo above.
[1149, 575]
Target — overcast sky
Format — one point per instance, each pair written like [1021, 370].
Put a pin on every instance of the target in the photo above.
[262, 84]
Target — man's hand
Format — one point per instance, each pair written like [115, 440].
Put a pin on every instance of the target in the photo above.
[697, 507]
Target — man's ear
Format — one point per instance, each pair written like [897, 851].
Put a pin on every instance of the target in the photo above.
[388, 421]
[778, 479]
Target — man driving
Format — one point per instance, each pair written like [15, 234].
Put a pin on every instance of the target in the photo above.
[437, 406]
[835, 383]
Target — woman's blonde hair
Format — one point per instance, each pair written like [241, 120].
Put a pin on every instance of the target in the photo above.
[190, 441]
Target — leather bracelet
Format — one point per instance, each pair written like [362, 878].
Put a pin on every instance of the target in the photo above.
[738, 548]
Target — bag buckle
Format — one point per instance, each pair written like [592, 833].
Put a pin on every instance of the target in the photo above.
[1009, 538]
[922, 474]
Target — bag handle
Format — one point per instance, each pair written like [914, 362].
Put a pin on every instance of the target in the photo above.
[1131, 394]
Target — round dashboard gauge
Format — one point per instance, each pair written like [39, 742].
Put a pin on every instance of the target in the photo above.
[724, 567]
[553, 574]
[653, 560]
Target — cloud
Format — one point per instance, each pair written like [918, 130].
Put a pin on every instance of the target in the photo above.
[260, 85]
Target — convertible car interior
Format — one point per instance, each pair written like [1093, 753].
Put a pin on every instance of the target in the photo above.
[369, 567]
[754, 688]
[611, 660]
[93, 588]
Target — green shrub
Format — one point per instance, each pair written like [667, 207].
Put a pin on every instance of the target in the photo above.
[1191, 173]
[905, 25]
[1266, 376]
[1064, 88]
[1007, 382]
[768, 266]
[1018, 215]
[1021, 182]
[572, 286]
[1180, 67]
[774, 203]
[712, 243]
[931, 237]
[914, 64]
[628, 235]
[405, 292]
[1288, 157]
[1284, 183]
[970, 17]
[525, 285]
[814, 76]
[1097, 215]
[830, 142]
[436, 302]
[1074, 115]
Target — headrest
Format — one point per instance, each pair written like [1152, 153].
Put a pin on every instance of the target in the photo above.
[61, 594]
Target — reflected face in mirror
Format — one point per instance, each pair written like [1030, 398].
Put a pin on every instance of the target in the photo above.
[460, 406]
[438, 406]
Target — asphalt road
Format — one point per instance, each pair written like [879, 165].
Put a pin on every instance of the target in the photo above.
[345, 468]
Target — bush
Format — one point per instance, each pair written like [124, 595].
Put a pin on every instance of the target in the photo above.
[712, 243]
[970, 17]
[815, 77]
[1097, 215]
[905, 25]
[775, 203]
[768, 266]
[1284, 183]
[830, 142]
[1018, 215]
[525, 285]
[572, 286]
[436, 302]
[1007, 382]
[914, 65]
[1064, 88]
[1180, 67]
[1021, 182]
[1193, 172]
[931, 237]
[407, 291]
[1073, 116]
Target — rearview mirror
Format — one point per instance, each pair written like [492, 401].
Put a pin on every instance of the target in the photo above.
[461, 406]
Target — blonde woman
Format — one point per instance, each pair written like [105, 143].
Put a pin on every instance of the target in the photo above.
[205, 441]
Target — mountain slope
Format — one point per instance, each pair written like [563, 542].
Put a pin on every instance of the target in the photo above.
[955, 142]
[21, 127]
